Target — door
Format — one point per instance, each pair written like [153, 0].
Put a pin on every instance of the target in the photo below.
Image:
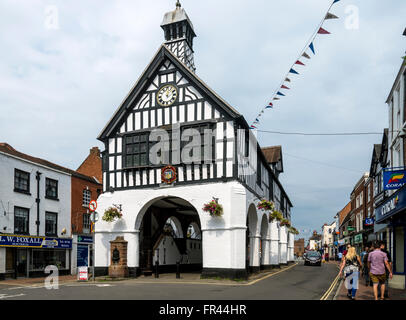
[21, 262]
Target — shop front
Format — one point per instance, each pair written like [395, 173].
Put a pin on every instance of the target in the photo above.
[392, 213]
[82, 254]
[358, 243]
[26, 256]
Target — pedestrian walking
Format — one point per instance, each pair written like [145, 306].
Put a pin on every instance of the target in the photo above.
[377, 261]
[350, 267]
[365, 269]
[383, 249]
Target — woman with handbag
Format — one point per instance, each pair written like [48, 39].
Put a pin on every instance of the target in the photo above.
[351, 265]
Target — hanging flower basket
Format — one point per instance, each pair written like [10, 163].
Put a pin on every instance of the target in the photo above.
[214, 208]
[293, 230]
[275, 216]
[285, 222]
[111, 214]
[266, 205]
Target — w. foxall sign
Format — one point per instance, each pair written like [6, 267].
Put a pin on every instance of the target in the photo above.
[34, 242]
[393, 180]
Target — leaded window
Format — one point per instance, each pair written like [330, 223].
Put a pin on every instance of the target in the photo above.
[137, 150]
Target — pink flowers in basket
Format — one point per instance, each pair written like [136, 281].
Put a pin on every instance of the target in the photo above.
[214, 208]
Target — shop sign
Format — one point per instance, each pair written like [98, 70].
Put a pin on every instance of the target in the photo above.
[83, 274]
[394, 179]
[393, 205]
[85, 239]
[35, 242]
[369, 222]
[82, 256]
[358, 238]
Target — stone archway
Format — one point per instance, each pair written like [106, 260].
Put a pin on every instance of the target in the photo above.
[163, 226]
[264, 243]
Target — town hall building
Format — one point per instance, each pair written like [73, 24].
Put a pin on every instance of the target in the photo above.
[174, 145]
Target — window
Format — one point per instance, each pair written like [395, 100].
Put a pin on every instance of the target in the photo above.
[51, 189]
[136, 148]
[86, 223]
[51, 221]
[247, 144]
[41, 258]
[87, 194]
[21, 181]
[21, 220]
[205, 142]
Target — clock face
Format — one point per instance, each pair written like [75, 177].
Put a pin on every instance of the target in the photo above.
[167, 95]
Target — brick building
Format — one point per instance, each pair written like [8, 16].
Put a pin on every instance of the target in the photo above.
[299, 247]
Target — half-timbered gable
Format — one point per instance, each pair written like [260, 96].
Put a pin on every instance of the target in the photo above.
[197, 107]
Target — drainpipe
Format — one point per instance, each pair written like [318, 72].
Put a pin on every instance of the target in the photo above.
[37, 200]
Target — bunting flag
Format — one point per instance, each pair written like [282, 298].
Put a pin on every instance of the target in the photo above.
[330, 16]
[293, 71]
[303, 54]
[323, 31]
[312, 48]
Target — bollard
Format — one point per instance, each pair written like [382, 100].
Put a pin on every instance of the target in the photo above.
[157, 269]
[177, 270]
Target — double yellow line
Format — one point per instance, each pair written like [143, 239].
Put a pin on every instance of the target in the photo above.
[328, 292]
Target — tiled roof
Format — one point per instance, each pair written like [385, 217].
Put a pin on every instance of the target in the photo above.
[273, 154]
[6, 148]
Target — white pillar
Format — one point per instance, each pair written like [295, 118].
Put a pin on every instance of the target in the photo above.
[291, 247]
[265, 257]
[254, 254]
[274, 248]
[283, 241]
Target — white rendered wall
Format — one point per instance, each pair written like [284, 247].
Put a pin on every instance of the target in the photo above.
[2, 260]
[10, 199]
[222, 237]
[283, 245]
[274, 249]
[291, 247]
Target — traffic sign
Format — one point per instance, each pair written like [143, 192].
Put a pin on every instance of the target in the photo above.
[92, 205]
[94, 217]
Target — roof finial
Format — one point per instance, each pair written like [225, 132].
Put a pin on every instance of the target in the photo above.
[178, 5]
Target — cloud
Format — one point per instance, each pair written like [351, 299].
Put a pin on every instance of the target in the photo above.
[59, 87]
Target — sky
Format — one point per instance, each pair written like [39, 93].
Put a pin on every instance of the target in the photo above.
[66, 66]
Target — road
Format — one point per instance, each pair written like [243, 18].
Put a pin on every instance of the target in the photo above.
[297, 283]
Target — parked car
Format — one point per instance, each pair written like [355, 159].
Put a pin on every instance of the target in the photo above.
[312, 258]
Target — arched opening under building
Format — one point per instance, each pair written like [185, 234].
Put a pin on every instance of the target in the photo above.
[170, 232]
[264, 255]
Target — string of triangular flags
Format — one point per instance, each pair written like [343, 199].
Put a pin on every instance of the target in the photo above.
[303, 54]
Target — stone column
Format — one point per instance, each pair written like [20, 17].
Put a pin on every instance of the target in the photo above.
[274, 245]
[266, 252]
[118, 258]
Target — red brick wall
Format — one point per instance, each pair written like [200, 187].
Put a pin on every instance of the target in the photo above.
[92, 166]
[78, 185]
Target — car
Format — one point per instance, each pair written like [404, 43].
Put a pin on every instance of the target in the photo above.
[312, 258]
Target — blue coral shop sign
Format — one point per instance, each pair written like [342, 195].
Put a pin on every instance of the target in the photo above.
[392, 206]
[34, 242]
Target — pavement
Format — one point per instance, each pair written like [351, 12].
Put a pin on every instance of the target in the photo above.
[295, 282]
[366, 292]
